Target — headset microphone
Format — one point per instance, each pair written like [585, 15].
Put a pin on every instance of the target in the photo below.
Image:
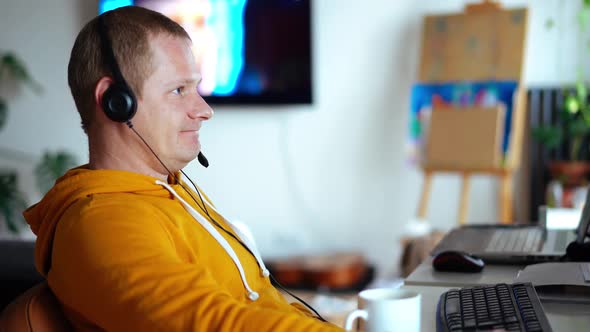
[202, 160]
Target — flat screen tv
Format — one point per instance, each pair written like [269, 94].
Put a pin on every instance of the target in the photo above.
[248, 51]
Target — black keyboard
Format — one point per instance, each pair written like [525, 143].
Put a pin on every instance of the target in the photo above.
[510, 307]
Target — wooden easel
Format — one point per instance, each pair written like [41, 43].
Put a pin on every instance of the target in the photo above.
[499, 38]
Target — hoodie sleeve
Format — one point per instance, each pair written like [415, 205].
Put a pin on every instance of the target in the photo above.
[123, 274]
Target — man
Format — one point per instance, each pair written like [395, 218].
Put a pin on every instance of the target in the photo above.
[123, 244]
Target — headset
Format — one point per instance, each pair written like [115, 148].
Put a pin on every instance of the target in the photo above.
[120, 105]
[118, 101]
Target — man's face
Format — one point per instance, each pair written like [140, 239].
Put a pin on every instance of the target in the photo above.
[171, 111]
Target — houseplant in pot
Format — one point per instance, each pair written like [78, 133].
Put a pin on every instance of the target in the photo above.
[13, 73]
[573, 131]
[13, 202]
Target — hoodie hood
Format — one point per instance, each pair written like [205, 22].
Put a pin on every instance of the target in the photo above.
[76, 184]
[82, 182]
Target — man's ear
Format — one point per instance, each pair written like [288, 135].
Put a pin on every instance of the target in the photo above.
[101, 86]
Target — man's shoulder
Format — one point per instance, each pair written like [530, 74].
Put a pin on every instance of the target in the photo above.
[120, 206]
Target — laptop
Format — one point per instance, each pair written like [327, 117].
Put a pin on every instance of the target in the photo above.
[515, 244]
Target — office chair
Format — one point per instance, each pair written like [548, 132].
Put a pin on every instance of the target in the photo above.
[36, 310]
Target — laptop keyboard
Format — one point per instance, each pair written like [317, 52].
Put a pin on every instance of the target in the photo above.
[515, 240]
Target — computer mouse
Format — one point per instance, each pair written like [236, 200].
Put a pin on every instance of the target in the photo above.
[457, 261]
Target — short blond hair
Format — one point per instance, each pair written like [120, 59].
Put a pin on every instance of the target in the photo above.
[129, 30]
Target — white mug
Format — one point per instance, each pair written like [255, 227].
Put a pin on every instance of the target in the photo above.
[387, 310]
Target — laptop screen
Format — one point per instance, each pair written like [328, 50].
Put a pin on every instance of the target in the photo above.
[584, 219]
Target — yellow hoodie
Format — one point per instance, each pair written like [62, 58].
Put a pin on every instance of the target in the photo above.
[126, 252]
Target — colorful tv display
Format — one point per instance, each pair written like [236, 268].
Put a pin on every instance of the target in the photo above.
[248, 51]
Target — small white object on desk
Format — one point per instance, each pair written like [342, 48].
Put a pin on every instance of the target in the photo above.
[559, 218]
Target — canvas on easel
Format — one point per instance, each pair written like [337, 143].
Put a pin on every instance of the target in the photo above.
[485, 43]
[483, 126]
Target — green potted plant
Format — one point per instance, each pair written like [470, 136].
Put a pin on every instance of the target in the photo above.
[572, 131]
[52, 165]
[12, 200]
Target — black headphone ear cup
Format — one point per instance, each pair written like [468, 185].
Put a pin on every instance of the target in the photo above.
[119, 103]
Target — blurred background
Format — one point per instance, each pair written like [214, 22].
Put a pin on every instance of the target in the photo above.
[326, 173]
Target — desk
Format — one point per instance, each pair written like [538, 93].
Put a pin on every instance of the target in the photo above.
[425, 275]
[562, 317]
[431, 284]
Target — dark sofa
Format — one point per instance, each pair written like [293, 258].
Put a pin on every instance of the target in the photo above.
[17, 269]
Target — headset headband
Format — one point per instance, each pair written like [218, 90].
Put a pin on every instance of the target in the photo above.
[108, 53]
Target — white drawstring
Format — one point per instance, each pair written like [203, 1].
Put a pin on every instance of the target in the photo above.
[252, 295]
[248, 241]
[246, 238]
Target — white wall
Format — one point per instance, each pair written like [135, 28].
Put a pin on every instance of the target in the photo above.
[327, 176]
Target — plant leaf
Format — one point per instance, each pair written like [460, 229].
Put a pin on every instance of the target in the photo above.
[12, 202]
[550, 137]
[51, 166]
[17, 69]
[572, 104]
[578, 127]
